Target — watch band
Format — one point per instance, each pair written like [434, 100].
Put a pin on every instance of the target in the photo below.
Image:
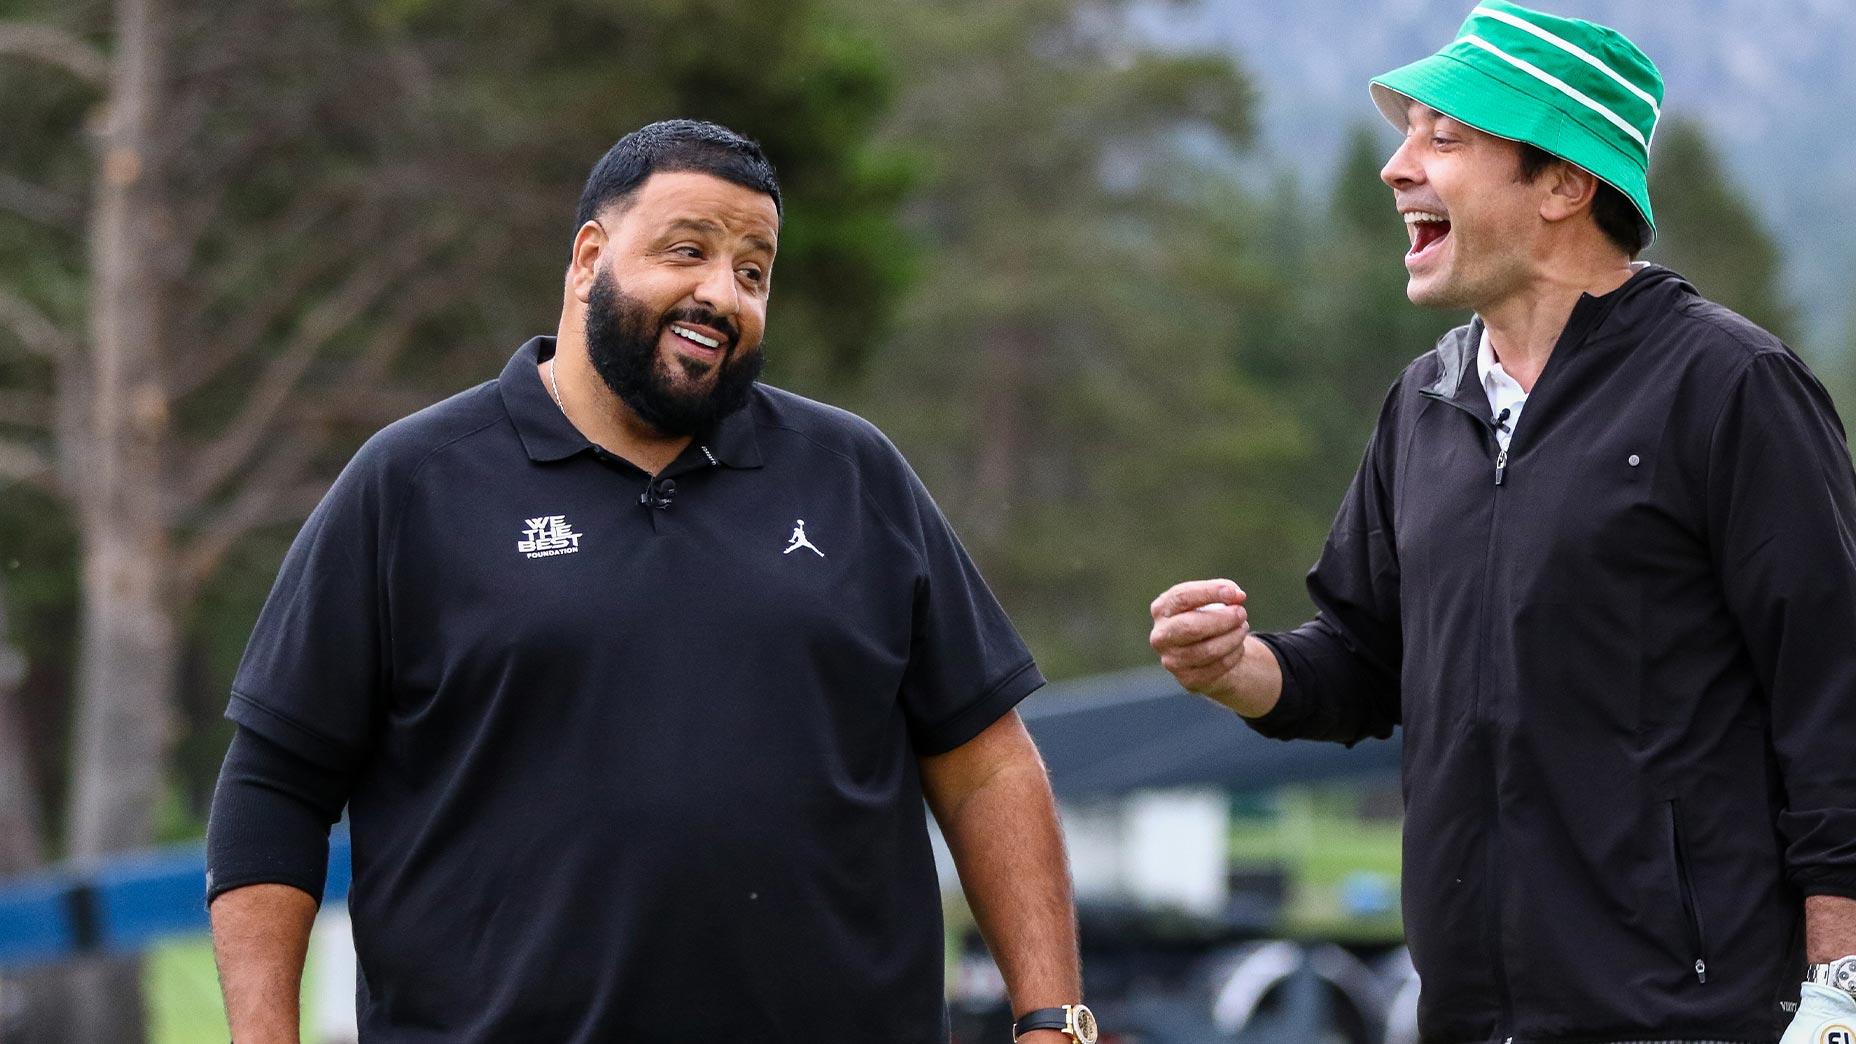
[1043, 1018]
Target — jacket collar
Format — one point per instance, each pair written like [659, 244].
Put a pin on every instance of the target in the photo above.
[547, 434]
[1456, 365]
[1457, 378]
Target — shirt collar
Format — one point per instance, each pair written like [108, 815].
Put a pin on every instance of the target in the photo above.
[735, 439]
[547, 434]
[545, 431]
[1489, 368]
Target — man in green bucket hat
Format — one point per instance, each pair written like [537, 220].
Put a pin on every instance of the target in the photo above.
[1599, 562]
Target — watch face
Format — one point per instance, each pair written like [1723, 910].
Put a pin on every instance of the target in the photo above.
[1843, 975]
[1083, 1023]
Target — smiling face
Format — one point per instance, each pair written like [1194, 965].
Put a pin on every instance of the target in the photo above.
[676, 300]
[1473, 222]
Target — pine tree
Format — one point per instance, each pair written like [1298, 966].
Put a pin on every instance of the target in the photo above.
[1064, 376]
[1348, 329]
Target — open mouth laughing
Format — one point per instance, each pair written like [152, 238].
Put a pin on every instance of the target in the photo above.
[1428, 230]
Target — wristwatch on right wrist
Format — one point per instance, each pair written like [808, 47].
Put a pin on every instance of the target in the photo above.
[1076, 1020]
[1839, 974]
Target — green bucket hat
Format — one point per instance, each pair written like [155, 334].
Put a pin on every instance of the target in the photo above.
[1577, 90]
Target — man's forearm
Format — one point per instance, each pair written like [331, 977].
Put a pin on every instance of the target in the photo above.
[994, 804]
[1829, 928]
[1009, 849]
[260, 937]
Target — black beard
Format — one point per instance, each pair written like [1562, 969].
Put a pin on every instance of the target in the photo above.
[621, 341]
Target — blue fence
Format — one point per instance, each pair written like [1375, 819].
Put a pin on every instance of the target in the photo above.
[121, 906]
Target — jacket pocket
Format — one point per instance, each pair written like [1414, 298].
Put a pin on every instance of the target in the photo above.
[1691, 906]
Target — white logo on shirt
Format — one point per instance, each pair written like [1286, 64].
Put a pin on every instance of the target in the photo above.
[799, 540]
[548, 536]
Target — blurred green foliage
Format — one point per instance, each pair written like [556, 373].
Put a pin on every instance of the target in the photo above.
[1067, 372]
[1709, 231]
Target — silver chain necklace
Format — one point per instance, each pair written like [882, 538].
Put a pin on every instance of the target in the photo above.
[555, 387]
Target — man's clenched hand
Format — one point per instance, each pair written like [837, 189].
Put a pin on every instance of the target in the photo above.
[1202, 633]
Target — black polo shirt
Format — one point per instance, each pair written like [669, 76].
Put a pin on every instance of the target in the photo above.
[634, 770]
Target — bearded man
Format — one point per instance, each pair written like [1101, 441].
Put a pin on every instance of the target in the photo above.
[618, 766]
[1599, 562]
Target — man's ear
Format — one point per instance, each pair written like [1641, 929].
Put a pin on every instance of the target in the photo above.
[583, 266]
[1570, 191]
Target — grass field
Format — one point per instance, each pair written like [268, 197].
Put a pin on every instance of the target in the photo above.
[1327, 849]
[183, 993]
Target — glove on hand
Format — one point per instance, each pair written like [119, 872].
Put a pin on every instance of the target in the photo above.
[1825, 1016]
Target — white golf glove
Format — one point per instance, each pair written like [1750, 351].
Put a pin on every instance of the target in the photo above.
[1825, 1016]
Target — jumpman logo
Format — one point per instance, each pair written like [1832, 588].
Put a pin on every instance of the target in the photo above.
[799, 540]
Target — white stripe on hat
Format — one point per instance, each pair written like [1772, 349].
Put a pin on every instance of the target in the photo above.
[1558, 84]
[1576, 51]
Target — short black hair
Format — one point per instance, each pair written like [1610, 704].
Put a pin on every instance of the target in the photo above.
[676, 145]
[1616, 215]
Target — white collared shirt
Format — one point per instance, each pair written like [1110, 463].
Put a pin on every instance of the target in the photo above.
[1504, 392]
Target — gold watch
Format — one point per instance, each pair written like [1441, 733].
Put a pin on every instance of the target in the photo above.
[1076, 1020]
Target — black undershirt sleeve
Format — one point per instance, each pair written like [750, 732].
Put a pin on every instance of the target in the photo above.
[272, 811]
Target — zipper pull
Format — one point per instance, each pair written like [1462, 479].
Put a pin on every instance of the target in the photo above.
[1701, 970]
[1501, 465]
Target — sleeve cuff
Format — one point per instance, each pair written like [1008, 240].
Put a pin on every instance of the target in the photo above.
[1838, 883]
[1007, 693]
[1281, 721]
[216, 886]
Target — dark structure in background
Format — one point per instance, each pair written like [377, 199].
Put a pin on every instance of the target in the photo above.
[1135, 730]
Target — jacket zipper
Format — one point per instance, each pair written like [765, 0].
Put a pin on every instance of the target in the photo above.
[1498, 958]
[1500, 424]
[1691, 907]
[1498, 965]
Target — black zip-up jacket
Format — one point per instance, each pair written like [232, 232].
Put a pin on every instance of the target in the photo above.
[1624, 657]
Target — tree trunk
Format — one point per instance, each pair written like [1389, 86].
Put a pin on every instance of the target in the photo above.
[1004, 362]
[126, 671]
[114, 459]
[125, 679]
